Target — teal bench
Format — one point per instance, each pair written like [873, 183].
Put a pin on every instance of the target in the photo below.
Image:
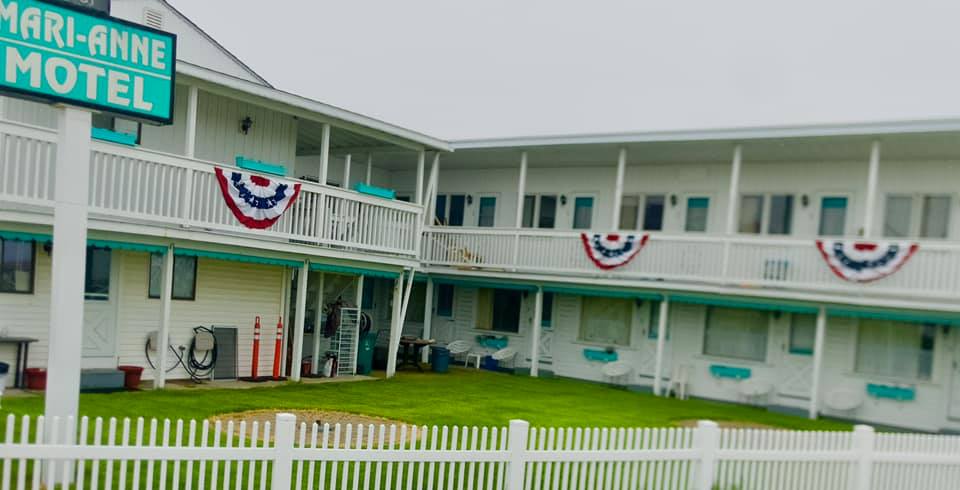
[732, 372]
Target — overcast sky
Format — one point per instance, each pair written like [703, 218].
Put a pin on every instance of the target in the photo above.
[490, 68]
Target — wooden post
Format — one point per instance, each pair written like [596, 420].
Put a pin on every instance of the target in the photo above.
[285, 432]
[421, 163]
[516, 449]
[396, 324]
[873, 178]
[817, 361]
[317, 333]
[521, 188]
[661, 343]
[193, 100]
[618, 189]
[535, 333]
[347, 161]
[706, 439]
[166, 295]
[428, 318]
[324, 153]
[302, 278]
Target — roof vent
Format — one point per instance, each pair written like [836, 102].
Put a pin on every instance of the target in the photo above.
[153, 18]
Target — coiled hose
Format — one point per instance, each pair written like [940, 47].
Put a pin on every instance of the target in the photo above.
[198, 369]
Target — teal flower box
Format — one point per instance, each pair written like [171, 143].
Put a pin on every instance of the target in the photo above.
[262, 167]
[898, 393]
[600, 355]
[125, 139]
[491, 342]
[731, 372]
[375, 191]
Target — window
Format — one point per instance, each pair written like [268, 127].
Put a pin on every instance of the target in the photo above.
[780, 219]
[652, 217]
[499, 310]
[17, 263]
[895, 349]
[606, 320]
[935, 222]
[896, 222]
[629, 212]
[926, 216]
[803, 332]
[582, 213]
[450, 209]
[833, 216]
[417, 304]
[751, 214]
[445, 300]
[184, 277]
[546, 318]
[488, 211]
[653, 212]
[540, 210]
[97, 283]
[369, 290]
[771, 214]
[736, 333]
[697, 211]
[529, 210]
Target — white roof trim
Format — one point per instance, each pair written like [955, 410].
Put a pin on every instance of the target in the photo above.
[722, 134]
[310, 105]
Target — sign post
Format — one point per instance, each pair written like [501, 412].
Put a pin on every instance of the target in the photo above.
[72, 53]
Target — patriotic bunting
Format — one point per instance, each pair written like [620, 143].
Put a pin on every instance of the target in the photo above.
[257, 202]
[865, 261]
[612, 250]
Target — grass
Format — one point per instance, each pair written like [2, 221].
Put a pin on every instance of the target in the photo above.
[462, 397]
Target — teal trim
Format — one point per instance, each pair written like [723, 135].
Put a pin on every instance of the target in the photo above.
[263, 167]
[23, 236]
[698, 202]
[897, 393]
[927, 317]
[251, 259]
[600, 355]
[492, 342]
[834, 203]
[356, 271]
[375, 191]
[746, 304]
[475, 283]
[133, 247]
[733, 372]
[113, 136]
[603, 293]
[801, 352]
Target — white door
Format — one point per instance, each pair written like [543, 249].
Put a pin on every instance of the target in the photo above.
[796, 363]
[648, 342]
[100, 311]
[546, 345]
[953, 410]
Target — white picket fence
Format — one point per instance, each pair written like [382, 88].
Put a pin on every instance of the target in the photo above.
[108, 454]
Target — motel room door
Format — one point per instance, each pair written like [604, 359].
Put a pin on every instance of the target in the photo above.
[100, 310]
[953, 409]
[796, 363]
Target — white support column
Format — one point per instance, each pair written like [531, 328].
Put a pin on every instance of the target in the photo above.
[324, 153]
[428, 318]
[166, 297]
[297, 357]
[284, 315]
[396, 324]
[818, 342]
[431, 204]
[317, 331]
[69, 263]
[193, 100]
[873, 178]
[369, 169]
[618, 189]
[521, 188]
[347, 161]
[421, 164]
[661, 343]
[535, 333]
[734, 191]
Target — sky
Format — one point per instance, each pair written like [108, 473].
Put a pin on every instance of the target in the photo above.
[501, 68]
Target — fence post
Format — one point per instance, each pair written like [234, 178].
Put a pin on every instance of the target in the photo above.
[863, 446]
[283, 451]
[706, 439]
[517, 446]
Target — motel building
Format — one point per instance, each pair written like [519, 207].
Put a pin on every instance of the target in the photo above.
[807, 269]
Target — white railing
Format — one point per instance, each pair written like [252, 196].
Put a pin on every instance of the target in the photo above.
[133, 184]
[123, 454]
[934, 272]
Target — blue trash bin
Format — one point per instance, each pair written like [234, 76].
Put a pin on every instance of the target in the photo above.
[440, 359]
[490, 364]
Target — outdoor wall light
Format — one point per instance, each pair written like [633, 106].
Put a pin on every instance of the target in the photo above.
[673, 200]
[469, 200]
[245, 125]
[804, 200]
[563, 200]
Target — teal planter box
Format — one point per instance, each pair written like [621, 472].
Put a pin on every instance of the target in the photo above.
[114, 137]
[891, 392]
[600, 355]
[732, 372]
[375, 191]
[262, 167]
[491, 342]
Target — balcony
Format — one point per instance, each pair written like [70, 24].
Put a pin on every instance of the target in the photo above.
[145, 187]
[932, 275]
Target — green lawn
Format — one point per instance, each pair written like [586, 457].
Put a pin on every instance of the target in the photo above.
[462, 397]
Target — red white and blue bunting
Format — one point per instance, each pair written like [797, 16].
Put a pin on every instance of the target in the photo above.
[612, 250]
[257, 202]
[865, 261]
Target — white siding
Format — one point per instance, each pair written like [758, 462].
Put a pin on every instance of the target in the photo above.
[27, 315]
[273, 137]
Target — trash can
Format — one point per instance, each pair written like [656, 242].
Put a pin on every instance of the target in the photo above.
[490, 364]
[440, 359]
[4, 371]
[368, 343]
[35, 378]
[131, 376]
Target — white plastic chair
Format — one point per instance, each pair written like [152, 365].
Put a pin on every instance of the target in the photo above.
[616, 370]
[754, 390]
[460, 347]
[843, 400]
[679, 381]
[504, 354]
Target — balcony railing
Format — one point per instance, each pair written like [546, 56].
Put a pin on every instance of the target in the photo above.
[143, 186]
[932, 273]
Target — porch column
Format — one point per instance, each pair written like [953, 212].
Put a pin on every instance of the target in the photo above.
[661, 343]
[535, 333]
[347, 161]
[428, 318]
[421, 163]
[618, 189]
[298, 324]
[284, 314]
[166, 295]
[193, 99]
[69, 262]
[873, 177]
[431, 204]
[315, 365]
[396, 325]
[734, 191]
[521, 189]
[817, 361]
[324, 153]
[369, 168]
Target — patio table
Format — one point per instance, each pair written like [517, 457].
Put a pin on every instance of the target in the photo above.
[411, 351]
